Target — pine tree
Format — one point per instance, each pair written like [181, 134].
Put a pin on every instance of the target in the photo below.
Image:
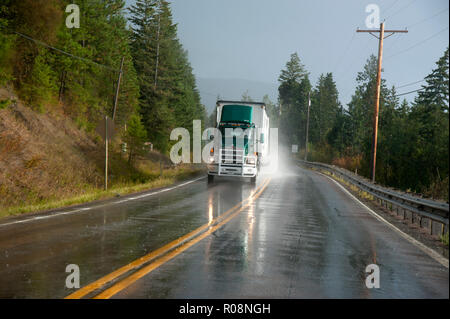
[294, 72]
[135, 137]
[6, 43]
[293, 94]
[324, 107]
[85, 79]
[246, 97]
[430, 118]
[40, 87]
[39, 19]
[361, 110]
[388, 130]
[340, 135]
[435, 91]
[168, 93]
[153, 108]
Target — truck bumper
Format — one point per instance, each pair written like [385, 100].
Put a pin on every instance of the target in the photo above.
[232, 170]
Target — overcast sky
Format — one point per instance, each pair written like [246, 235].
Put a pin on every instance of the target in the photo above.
[253, 39]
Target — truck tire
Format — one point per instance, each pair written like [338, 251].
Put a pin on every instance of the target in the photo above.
[210, 179]
[253, 180]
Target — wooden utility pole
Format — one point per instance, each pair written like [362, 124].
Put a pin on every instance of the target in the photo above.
[381, 37]
[106, 152]
[307, 126]
[116, 98]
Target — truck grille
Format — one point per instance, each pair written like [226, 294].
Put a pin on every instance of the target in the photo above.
[231, 156]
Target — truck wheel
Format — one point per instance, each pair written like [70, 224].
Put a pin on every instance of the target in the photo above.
[253, 180]
[210, 179]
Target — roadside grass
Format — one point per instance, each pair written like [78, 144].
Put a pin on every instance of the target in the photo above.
[444, 239]
[90, 194]
[4, 103]
[51, 160]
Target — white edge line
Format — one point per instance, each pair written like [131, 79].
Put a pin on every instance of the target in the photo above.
[92, 207]
[430, 252]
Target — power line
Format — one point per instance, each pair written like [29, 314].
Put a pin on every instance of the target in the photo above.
[426, 19]
[353, 60]
[418, 23]
[392, 4]
[413, 46]
[409, 92]
[404, 85]
[64, 52]
[336, 69]
[344, 53]
[401, 9]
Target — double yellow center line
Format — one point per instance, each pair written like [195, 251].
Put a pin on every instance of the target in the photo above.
[163, 254]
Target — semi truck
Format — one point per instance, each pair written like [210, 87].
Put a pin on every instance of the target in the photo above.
[243, 145]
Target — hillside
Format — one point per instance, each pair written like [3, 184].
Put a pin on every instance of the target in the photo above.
[42, 155]
[45, 157]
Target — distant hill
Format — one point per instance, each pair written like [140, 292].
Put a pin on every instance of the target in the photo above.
[232, 89]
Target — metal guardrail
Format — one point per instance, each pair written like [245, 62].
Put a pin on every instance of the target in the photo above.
[434, 211]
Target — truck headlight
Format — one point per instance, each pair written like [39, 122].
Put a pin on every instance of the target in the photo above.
[250, 161]
[211, 159]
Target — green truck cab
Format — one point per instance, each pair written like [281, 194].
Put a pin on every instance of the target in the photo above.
[243, 127]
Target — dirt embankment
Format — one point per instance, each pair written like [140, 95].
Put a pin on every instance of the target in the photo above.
[45, 158]
[42, 156]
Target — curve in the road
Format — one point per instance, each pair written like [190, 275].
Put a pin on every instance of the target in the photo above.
[430, 252]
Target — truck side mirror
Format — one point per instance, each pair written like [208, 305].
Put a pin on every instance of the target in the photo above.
[210, 135]
[262, 138]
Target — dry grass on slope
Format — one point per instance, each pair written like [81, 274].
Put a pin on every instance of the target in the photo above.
[47, 162]
[42, 156]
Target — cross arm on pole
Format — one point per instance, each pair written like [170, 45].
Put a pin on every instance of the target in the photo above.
[374, 35]
[387, 31]
[391, 32]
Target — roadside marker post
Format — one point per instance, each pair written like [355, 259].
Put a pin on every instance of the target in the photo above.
[106, 130]
[106, 152]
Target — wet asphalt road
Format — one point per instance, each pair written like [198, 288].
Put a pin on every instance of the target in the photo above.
[304, 237]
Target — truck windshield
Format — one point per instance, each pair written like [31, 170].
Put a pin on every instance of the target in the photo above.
[237, 113]
[236, 132]
[240, 136]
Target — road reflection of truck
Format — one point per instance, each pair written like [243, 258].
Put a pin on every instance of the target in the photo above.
[242, 152]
